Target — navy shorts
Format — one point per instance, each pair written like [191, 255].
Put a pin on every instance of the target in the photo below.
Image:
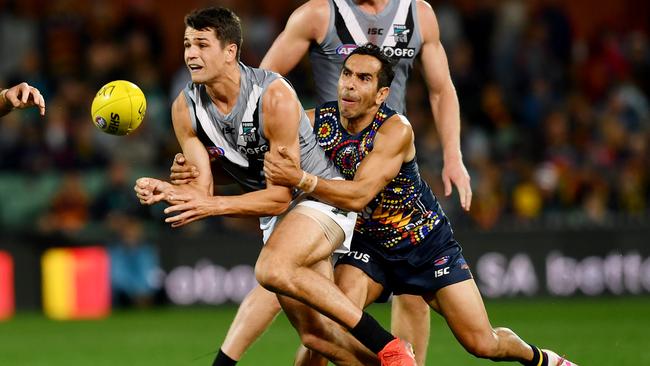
[400, 277]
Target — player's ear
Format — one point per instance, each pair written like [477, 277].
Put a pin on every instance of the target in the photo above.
[231, 52]
[382, 95]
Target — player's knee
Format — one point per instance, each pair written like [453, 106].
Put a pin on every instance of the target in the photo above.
[412, 305]
[272, 274]
[268, 277]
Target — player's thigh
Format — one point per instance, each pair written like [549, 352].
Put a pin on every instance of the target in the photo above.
[462, 307]
[357, 285]
[299, 239]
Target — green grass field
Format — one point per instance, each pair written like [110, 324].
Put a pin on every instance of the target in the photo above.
[591, 332]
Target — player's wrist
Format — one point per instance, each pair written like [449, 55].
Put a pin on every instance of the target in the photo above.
[4, 102]
[452, 157]
[307, 182]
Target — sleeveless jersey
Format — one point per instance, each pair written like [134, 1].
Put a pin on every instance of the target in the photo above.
[395, 29]
[405, 213]
[237, 139]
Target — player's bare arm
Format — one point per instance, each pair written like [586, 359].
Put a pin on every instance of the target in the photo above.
[444, 104]
[306, 24]
[281, 115]
[21, 96]
[151, 190]
[393, 146]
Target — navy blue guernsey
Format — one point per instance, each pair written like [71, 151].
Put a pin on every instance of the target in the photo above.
[404, 221]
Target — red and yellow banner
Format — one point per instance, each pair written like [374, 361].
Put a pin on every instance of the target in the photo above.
[76, 283]
[7, 304]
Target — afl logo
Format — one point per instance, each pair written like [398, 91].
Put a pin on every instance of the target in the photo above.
[441, 261]
[100, 122]
[345, 49]
[215, 151]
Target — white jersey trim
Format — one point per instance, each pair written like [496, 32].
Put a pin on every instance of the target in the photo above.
[400, 18]
[215, 135]
[351, 22]
[253, 99]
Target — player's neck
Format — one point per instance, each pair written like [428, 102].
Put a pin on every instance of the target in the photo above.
[372, 6]
[224, 90]
[358, 123]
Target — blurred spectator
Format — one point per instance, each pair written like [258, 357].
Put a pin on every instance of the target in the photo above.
[18, 36]
[134, 265]
[117, 198]
[69, 211]
[555, 109]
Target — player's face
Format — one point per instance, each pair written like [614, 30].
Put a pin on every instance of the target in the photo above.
[357, 89]
[204, 55]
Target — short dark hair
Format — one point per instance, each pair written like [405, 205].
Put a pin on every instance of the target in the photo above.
[224, 21]
[386, 73]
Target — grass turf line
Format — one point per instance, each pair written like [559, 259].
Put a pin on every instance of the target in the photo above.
[591, 332]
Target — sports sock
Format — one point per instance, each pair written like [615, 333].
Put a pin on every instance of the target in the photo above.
[539, 358]
[222, 359]
[369, 332]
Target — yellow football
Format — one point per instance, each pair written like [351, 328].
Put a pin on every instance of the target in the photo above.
[118, 107]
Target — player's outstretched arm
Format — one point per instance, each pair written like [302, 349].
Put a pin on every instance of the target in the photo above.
[444, 105]
[194, 152]
[21, 96]
[393, 146]
[195, 194]
[305, 25]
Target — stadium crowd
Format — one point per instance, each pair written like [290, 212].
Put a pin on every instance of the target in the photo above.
[556, 122]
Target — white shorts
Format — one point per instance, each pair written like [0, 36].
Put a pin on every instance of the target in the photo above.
[344, 219]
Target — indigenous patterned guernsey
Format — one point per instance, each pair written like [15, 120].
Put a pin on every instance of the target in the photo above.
[237, 139]
[405, 214]
[395, 30]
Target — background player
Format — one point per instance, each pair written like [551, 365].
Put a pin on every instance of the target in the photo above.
[403, 242]
[238, 113]
[19, 97]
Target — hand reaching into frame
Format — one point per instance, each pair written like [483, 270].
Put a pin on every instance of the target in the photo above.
[454, 172]
[21, 96]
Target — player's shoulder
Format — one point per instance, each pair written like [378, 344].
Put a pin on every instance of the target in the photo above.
[395, 117]
[279, 96]
[312, 13]
[279, 88]
[426, 18]
[314, 6]
[423, 7]
[396, 135]
[397, 127]
[399, 121]
[180, 103]
[181, 116]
